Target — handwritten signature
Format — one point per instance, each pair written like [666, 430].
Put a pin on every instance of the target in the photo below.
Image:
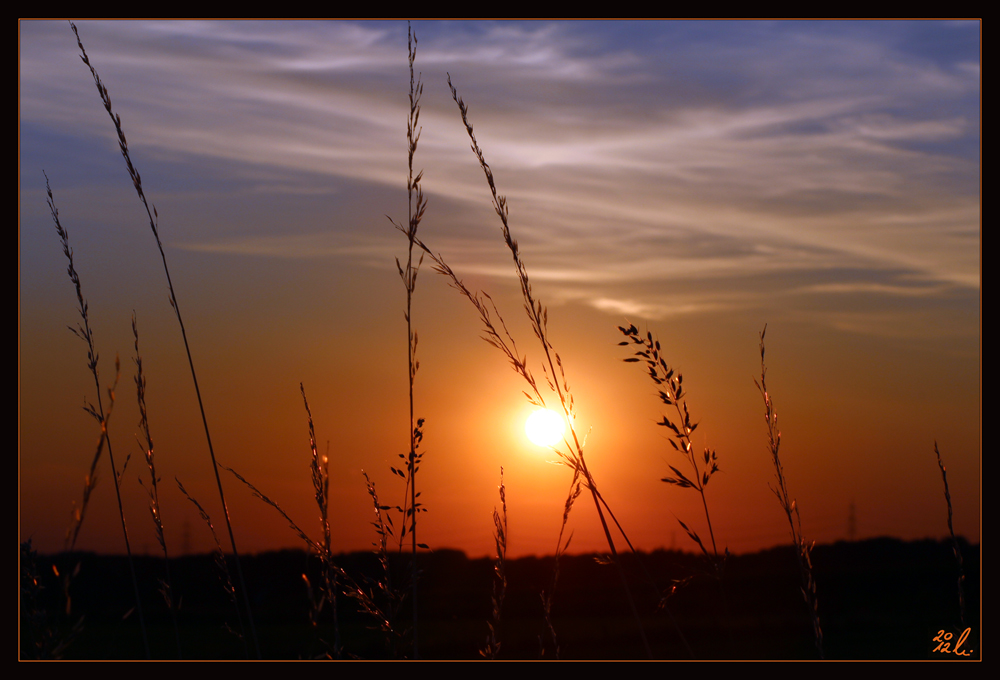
[945, 645]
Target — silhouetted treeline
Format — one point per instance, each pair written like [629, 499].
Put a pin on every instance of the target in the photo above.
[878, 599]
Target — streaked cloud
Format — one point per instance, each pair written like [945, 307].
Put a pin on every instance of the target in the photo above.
[649, 150]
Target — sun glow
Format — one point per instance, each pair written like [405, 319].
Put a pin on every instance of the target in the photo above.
[545, 427]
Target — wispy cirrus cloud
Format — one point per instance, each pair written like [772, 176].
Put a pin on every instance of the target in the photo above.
[628, 151]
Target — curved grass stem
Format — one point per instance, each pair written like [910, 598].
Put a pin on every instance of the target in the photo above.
[152, 215]
[86, 333]
[552, 363]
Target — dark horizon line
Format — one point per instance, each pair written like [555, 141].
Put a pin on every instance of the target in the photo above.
[591, 553]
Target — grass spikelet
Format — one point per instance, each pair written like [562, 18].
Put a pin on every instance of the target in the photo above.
[670, 385]
[954, 541]
[803, 549]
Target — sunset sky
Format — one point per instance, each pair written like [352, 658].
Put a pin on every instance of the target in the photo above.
[697, 179]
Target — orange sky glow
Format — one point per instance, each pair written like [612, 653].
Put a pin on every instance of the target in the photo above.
[696, 179]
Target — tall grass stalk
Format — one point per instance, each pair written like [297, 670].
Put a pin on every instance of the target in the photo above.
[954, 541]
[153, 225]
[803, 549]
[86, 333]
[552, 364]
[166, 586]
[416, 205]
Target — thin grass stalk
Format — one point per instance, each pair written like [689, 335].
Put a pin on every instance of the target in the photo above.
[416, 205]
[538, 315]
[335, 579]
[350, 586]
[166, 586]
[497, 335]
[86, 333]
[501, 338]
[222, 569]
[492, 647]
[954, 541]
[803, 549]
[320, 467]
[153, 217]
[547, 600]
[90, 481]
[312, 545]
[385, 614]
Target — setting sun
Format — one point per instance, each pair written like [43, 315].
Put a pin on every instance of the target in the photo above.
[544, 427]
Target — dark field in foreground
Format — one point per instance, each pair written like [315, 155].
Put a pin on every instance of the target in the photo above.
[878, 599]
